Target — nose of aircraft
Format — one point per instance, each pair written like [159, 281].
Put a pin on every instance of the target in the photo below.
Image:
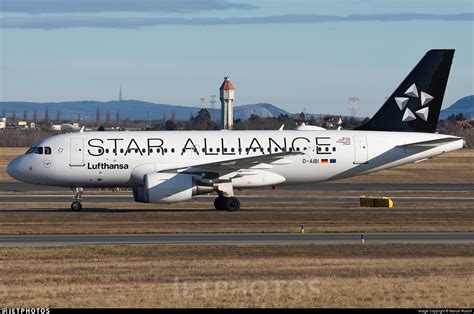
[13, 168]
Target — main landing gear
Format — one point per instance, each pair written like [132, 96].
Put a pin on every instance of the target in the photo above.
[76, 205]
[227, 203]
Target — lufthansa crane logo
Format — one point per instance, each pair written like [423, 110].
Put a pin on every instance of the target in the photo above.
[412, 92]
[47, 163]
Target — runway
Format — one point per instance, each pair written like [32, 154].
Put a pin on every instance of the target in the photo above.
[15, 186]
[235, 238]
[267, 197]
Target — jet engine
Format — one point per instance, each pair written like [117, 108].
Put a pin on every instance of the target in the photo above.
[169, 188]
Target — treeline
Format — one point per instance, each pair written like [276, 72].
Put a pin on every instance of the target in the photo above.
[203, 121]
[459, 125]
[22, 138]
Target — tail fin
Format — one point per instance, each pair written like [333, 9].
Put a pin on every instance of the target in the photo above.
[416, 103]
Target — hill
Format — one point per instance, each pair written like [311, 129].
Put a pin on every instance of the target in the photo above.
[263, 110]
[464, 105]
[132, 109]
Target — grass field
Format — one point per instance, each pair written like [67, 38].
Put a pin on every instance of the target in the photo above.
[239, 276]
[205, 220]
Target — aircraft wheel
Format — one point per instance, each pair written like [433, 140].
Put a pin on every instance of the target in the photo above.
[76, 206]
[232, 204]
[219, 203]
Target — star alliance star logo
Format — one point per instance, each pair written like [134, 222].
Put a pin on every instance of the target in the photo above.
[402, 102]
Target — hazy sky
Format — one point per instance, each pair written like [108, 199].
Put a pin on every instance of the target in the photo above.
[295, 54]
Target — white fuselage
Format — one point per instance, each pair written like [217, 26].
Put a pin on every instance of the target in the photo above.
[121, 159]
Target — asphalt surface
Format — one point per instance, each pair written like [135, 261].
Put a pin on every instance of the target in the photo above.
[15, 186]
[234, 238]
[267, 197]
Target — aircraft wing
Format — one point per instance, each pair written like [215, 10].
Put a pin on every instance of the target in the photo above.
[230, 165]
[431, 143]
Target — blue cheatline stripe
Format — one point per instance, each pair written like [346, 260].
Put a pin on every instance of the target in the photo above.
[333, 161]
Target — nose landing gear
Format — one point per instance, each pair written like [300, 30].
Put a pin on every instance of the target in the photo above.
[76, 204]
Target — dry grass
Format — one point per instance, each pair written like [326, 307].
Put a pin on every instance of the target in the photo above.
[200, 219]
[393, 275]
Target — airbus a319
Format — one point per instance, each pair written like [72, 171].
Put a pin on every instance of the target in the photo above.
[174, 166]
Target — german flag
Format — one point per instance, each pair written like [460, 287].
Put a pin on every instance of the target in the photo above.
[324, 161]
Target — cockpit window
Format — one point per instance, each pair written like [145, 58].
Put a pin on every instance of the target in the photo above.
[29, 151]
[39, 150]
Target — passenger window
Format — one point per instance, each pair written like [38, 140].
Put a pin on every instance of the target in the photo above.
[232, 149]
[334, 149]
[151, 150]
[218, 150]
[121, 150]
[172, 150]
[166, 150]
[47, 150]
[106, 150]
[39, 150]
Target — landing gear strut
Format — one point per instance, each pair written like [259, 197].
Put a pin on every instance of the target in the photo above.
[227, 203]
[76, 205]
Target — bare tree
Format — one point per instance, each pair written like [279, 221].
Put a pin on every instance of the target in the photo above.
[117, 118]
[107, 117]
[25, 115]
[78, 118]
[97, 116]
[58, 116]
[4, 113]
[14, 115]
[35, 116]
[173, 117]
[46, 115]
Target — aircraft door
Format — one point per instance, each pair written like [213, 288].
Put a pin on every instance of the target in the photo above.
[360, 149]
[77, 152]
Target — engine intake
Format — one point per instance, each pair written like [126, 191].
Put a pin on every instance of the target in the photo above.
[169, 188]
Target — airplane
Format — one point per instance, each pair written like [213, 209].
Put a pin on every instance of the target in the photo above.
[175, 166]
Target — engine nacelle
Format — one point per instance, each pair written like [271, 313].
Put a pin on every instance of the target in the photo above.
[168, 188]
